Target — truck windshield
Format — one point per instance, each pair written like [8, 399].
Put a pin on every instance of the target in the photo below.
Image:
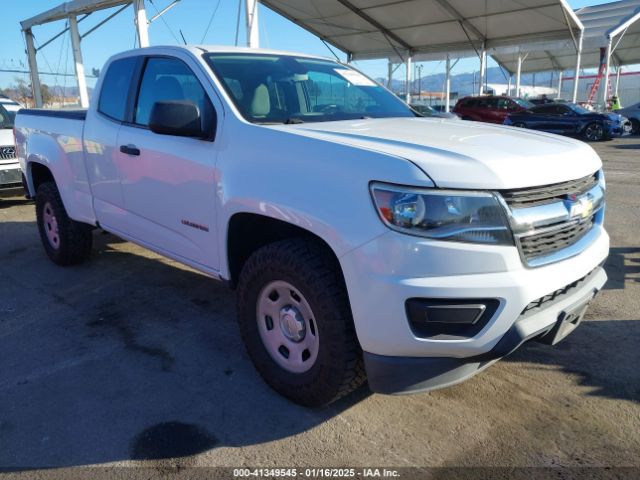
[7, 118]
[288, 89]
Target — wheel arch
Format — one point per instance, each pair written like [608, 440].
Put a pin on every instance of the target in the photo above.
[37, 174]
[247, 232]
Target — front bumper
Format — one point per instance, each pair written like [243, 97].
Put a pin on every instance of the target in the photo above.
[382, 274]
[617, 130]
[10, 175]
[396, 375]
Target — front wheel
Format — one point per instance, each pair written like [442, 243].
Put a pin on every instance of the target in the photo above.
[296, 322]
[594, 132]
[635, 126]
[65, 241]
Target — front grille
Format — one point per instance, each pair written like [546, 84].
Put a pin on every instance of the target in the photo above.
[557, 238]
[529, 197]
[7, 152]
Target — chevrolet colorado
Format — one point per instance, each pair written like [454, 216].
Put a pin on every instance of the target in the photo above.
[364, 241]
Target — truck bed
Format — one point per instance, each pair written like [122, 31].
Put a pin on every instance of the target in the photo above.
[72, 114]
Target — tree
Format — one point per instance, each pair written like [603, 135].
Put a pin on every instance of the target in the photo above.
[22, 89]
[47, 96]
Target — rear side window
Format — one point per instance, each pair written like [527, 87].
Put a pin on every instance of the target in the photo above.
[490, 103]
[545, 109]
[115, 88]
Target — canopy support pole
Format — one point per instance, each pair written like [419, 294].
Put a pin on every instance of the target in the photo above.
[576, 76]
[617, 79]
[140, 19]
[408, 78]
[253, 34]
[518, 74]
[389, 73]
[560, 74]
[483, 67]
[607, 68]
[447, 85]
[78, 63]
[509, 85]
[33, 69]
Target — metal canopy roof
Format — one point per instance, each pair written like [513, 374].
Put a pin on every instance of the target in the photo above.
[75, 7]
[368, 29]
[618, 20]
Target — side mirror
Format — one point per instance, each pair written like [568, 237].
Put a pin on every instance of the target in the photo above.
[176, 117]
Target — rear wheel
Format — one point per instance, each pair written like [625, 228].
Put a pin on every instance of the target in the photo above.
[519, 125]
[66, 241]
[296, 322]
[635, 126]
[594, 132]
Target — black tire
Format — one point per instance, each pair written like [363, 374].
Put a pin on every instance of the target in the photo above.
[72, 241]
[338, 368]
[594, 132]
[519, 125]
[635, 126]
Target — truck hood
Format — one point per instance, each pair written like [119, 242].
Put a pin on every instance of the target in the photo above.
[462, 154]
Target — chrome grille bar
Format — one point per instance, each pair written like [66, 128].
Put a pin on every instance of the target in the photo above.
[555, 222]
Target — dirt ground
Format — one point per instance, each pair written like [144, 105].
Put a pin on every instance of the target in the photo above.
[131, 356]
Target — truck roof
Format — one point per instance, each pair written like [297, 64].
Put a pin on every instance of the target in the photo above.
[199, 49]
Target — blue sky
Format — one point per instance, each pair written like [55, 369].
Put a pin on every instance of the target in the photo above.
[191, 16]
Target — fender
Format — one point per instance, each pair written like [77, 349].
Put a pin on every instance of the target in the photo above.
[63, 156]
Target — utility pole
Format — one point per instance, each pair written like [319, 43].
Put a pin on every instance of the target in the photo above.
[140, 19]
[33, 68]
[447, 85]
[576, 76]
[253, 34]
[483, 68]
[77, 61]
[408, 79]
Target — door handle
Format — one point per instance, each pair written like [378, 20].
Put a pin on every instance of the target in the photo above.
[130, 150]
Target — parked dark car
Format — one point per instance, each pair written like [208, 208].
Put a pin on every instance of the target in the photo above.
[633, 114]
[570, 119]
[429, 111]
[491, 109]
[542, 100]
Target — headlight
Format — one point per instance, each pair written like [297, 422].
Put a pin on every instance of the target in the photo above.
[454, 215]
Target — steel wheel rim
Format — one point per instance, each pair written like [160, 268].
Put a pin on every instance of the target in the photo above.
[287, 326]
[594, 132]
[50, 223]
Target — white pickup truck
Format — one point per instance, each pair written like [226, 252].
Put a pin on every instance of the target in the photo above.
[364, 240]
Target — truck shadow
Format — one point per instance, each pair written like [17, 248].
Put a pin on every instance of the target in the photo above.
[622, 265]
[6, 202]
[129, 356]
[600, 354]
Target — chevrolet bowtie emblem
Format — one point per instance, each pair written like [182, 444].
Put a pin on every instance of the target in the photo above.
[580, 207]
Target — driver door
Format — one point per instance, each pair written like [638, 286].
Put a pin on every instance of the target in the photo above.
[168, 182]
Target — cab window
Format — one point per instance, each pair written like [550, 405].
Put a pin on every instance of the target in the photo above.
[115, 88]
[167, 79]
